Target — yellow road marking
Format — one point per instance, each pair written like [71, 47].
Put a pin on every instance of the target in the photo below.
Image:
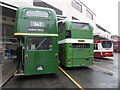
[78, 85]
[104, 69]
[37, 34]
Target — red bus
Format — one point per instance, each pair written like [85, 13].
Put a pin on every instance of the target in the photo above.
[103, 48]
[116, 46]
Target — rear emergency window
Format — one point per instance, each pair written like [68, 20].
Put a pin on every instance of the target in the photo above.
[37, 13]
[80, 45]
[39, 43]
[80, 26]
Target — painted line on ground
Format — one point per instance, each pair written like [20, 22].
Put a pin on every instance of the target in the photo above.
[7, 80]
[78, 85]
[104, 69]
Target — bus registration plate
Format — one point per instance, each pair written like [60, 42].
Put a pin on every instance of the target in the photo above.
[81, 40]
[39, 68]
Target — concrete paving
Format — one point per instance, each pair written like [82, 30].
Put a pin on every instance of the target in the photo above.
[119, 72]
[8, 68]
[87, 77]
[91, 77]
[0, 75]
[58, 80]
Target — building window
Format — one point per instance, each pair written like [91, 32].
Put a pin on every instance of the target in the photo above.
[76, 5]
[40, 3]
[74, 18]
[89, 15]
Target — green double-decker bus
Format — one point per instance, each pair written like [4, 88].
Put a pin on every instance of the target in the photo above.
[37, 31]
[75, 43]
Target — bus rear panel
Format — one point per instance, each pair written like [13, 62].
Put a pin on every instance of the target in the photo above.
[38, 30]
[103, 48]
[116, 46]
[75, 44]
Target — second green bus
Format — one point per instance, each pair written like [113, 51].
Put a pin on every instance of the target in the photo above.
[75, 44]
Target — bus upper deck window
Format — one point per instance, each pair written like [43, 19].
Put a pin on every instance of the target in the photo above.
[37, 13]
[80, 26]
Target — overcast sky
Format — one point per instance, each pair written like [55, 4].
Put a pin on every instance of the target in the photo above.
[106, 13]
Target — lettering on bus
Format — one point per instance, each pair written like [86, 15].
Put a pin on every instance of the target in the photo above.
[37, 30]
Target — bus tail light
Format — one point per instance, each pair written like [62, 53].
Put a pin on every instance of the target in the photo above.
[68, 61]
[26, 60]
[57, 58]
[26, 56]
[56, 55]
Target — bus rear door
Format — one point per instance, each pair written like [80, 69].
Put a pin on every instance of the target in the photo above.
[39, 57]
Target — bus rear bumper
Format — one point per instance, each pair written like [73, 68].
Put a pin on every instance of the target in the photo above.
[103, 54]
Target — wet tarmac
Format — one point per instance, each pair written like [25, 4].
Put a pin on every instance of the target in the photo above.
[8, 68]
[105, 75]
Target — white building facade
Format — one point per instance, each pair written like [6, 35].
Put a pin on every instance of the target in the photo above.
[72, 9]
[101, 33]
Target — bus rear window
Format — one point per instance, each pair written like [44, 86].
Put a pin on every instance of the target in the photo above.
[37, 13]
[39, 43]
[80, 26]
[106, 44]
[80, 45]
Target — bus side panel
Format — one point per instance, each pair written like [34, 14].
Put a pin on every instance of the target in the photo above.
[65, 54]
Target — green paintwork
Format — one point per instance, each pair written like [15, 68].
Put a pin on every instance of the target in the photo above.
[77, 56]
[76, 33]
[23, 21]
[45, 58]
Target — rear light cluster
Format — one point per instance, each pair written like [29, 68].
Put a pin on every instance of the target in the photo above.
[57, 58]
[26, 56]
[87, 58]
[68, 61]
[93, 60]
[56, 55]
